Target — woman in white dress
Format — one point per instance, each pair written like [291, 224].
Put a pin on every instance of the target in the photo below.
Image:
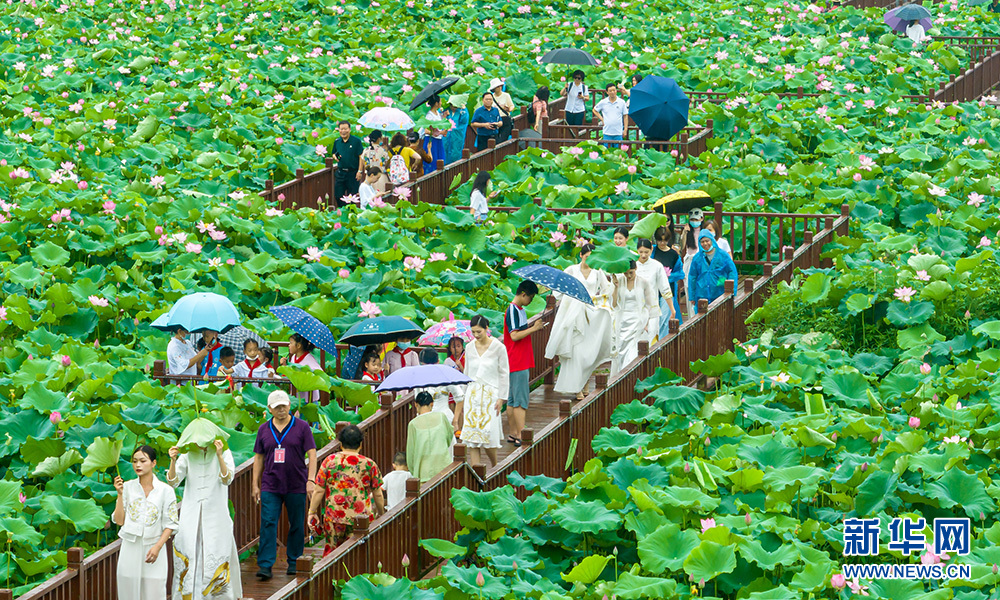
[146, 511]
[653, 272]
[206, 560]
[637, 308]
[479, 412]
[582, 334]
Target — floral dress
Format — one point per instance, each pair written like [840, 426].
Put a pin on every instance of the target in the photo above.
[350, 481]
[377, 156]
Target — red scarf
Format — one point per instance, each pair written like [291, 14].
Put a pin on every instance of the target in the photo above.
[253, 366]
[376, 377]
[460, 361]
[209, 361]
[298, 360]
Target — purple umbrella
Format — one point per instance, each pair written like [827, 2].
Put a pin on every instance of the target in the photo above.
[422, 376]
[899, 18]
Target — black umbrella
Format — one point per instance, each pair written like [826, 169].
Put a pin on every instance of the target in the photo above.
[569, 56]
[432, 88]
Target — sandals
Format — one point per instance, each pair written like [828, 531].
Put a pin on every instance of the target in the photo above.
[513, 440]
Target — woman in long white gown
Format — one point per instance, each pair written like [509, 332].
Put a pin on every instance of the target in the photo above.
[636, 310]
[581, 334]
[206, 560]
[652, 271]
[479, 412]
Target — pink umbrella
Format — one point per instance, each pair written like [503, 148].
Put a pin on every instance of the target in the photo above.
[440, 333]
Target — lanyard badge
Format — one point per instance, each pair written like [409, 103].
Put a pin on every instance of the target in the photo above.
[279, 452]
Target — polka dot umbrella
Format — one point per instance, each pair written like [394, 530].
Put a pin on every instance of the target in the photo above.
[307, 326]
[556, 280]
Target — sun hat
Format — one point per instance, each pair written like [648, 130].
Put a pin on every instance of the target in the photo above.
[696, 213]
[495, 83]
[277, 398]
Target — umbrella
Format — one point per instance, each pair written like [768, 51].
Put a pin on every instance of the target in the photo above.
[307, 326]
[976, 3]
[352, 362]
[440, 334]
[899, 18]
[569, 56]
[557, 280]
[433, 88]
[422, 376]
[380, 330]
[386, 118]
[682, 201]
[200, 311]
[658, 107]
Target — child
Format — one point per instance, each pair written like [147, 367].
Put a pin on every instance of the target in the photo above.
[149, 521]
[227, 362]
[401, 356]
[244, 368]
[478, 206]
[371, 367]
[210, 344]
[266, 368]
[367, 190]
[394, 484]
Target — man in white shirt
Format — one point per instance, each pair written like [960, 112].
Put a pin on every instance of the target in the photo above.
[505, 103]
[182, 359]
[915, 31]
[611, 113]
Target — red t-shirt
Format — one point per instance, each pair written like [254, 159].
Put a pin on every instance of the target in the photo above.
[520, 354]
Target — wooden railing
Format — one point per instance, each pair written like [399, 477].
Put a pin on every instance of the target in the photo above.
[427, 513]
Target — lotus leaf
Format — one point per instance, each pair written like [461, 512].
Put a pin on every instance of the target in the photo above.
[200, 434]
[102, 454]
[709, 560]
[666, 548]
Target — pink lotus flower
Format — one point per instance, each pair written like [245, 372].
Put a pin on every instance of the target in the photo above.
[914, 422]
[321, 150]
[352, 199]
[344, 273]
[312, 254]
[337, 226]
[109, 207]
[66, 361]
[157, 181]
[406, 561]
[594, 155]
[574, 151]
[437, 256]
[781, 377]
[369, 309]
[158, 230]
[904, 294]
[707, 524]
[3, 313]
[621, 188]
[922, 276]
[855, 585]
[98, 301]
[192, 248]
[631, 169]
[217, 235]
[761, 202]
[403, 192]
[925, 369]
[204, 227]
[508, 261]
[58, 216]
[82, 185]
[936, 191]
[230, 261]
[838, 581]
[55, 417]
[21, 497]
[975, 199]
[413, 262]
[557, 237]
[984, 242]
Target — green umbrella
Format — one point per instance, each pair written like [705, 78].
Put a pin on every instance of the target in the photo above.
[200, 433]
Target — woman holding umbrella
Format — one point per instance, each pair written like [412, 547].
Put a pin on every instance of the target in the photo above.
[479, 412]
[182, 358]
[581, 334]
[434, 136]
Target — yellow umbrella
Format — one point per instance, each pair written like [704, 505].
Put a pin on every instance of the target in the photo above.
[682, 201]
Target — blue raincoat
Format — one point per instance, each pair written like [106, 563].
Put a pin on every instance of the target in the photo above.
[708, 279]
[454, 140]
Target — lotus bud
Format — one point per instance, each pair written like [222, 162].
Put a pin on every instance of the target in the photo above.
[834, 436]
[934, 397]
[406, 560]
[708, 441]
[614, 551]
[982, 517]
[66, 361]
[480, 580]
[914, 422]
[687, 467]
[968, 316]
[31, 357]
[55, 417]
[747, 518]
[958, 406]
[925, 369]
[701, 582]
[838, 581]
[97, 343]
[690, 577]
[379, 566]
[864, 467]
[994, 568]
[513, 564]
[21, 497]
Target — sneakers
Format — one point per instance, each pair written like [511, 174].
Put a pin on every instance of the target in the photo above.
[291, 569]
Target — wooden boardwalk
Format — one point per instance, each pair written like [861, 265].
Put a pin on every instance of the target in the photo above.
[543, 408]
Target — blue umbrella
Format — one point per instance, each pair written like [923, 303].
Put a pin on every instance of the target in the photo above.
[898, 18]
[557, 280]
[422, 376]
[658, 107]
[380, 330]
[307, 326]
[200, 312]
[351, 362]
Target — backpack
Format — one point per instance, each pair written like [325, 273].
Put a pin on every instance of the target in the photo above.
[399, 173]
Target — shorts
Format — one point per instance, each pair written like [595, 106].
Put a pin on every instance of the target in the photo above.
[520, 389]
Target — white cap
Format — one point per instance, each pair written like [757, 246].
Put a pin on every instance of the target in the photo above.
[277, 398]
[495, 83]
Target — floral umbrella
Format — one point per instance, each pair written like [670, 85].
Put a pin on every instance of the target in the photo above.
[440, 333]
[386, 118]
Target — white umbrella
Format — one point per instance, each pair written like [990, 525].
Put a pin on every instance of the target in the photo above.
[386, 118]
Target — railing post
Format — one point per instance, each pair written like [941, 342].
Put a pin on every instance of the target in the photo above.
[565, 408]
[340, 426]
[413, 485]
[674, 326]
[361, 525]
[303, 569]
[6, 595]
[527, 437]
[789, 254]
[600, 382]
[768, 270]
[269, 190]
[702, 306]
[643, 348]
[74, 558]
[748, 284]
